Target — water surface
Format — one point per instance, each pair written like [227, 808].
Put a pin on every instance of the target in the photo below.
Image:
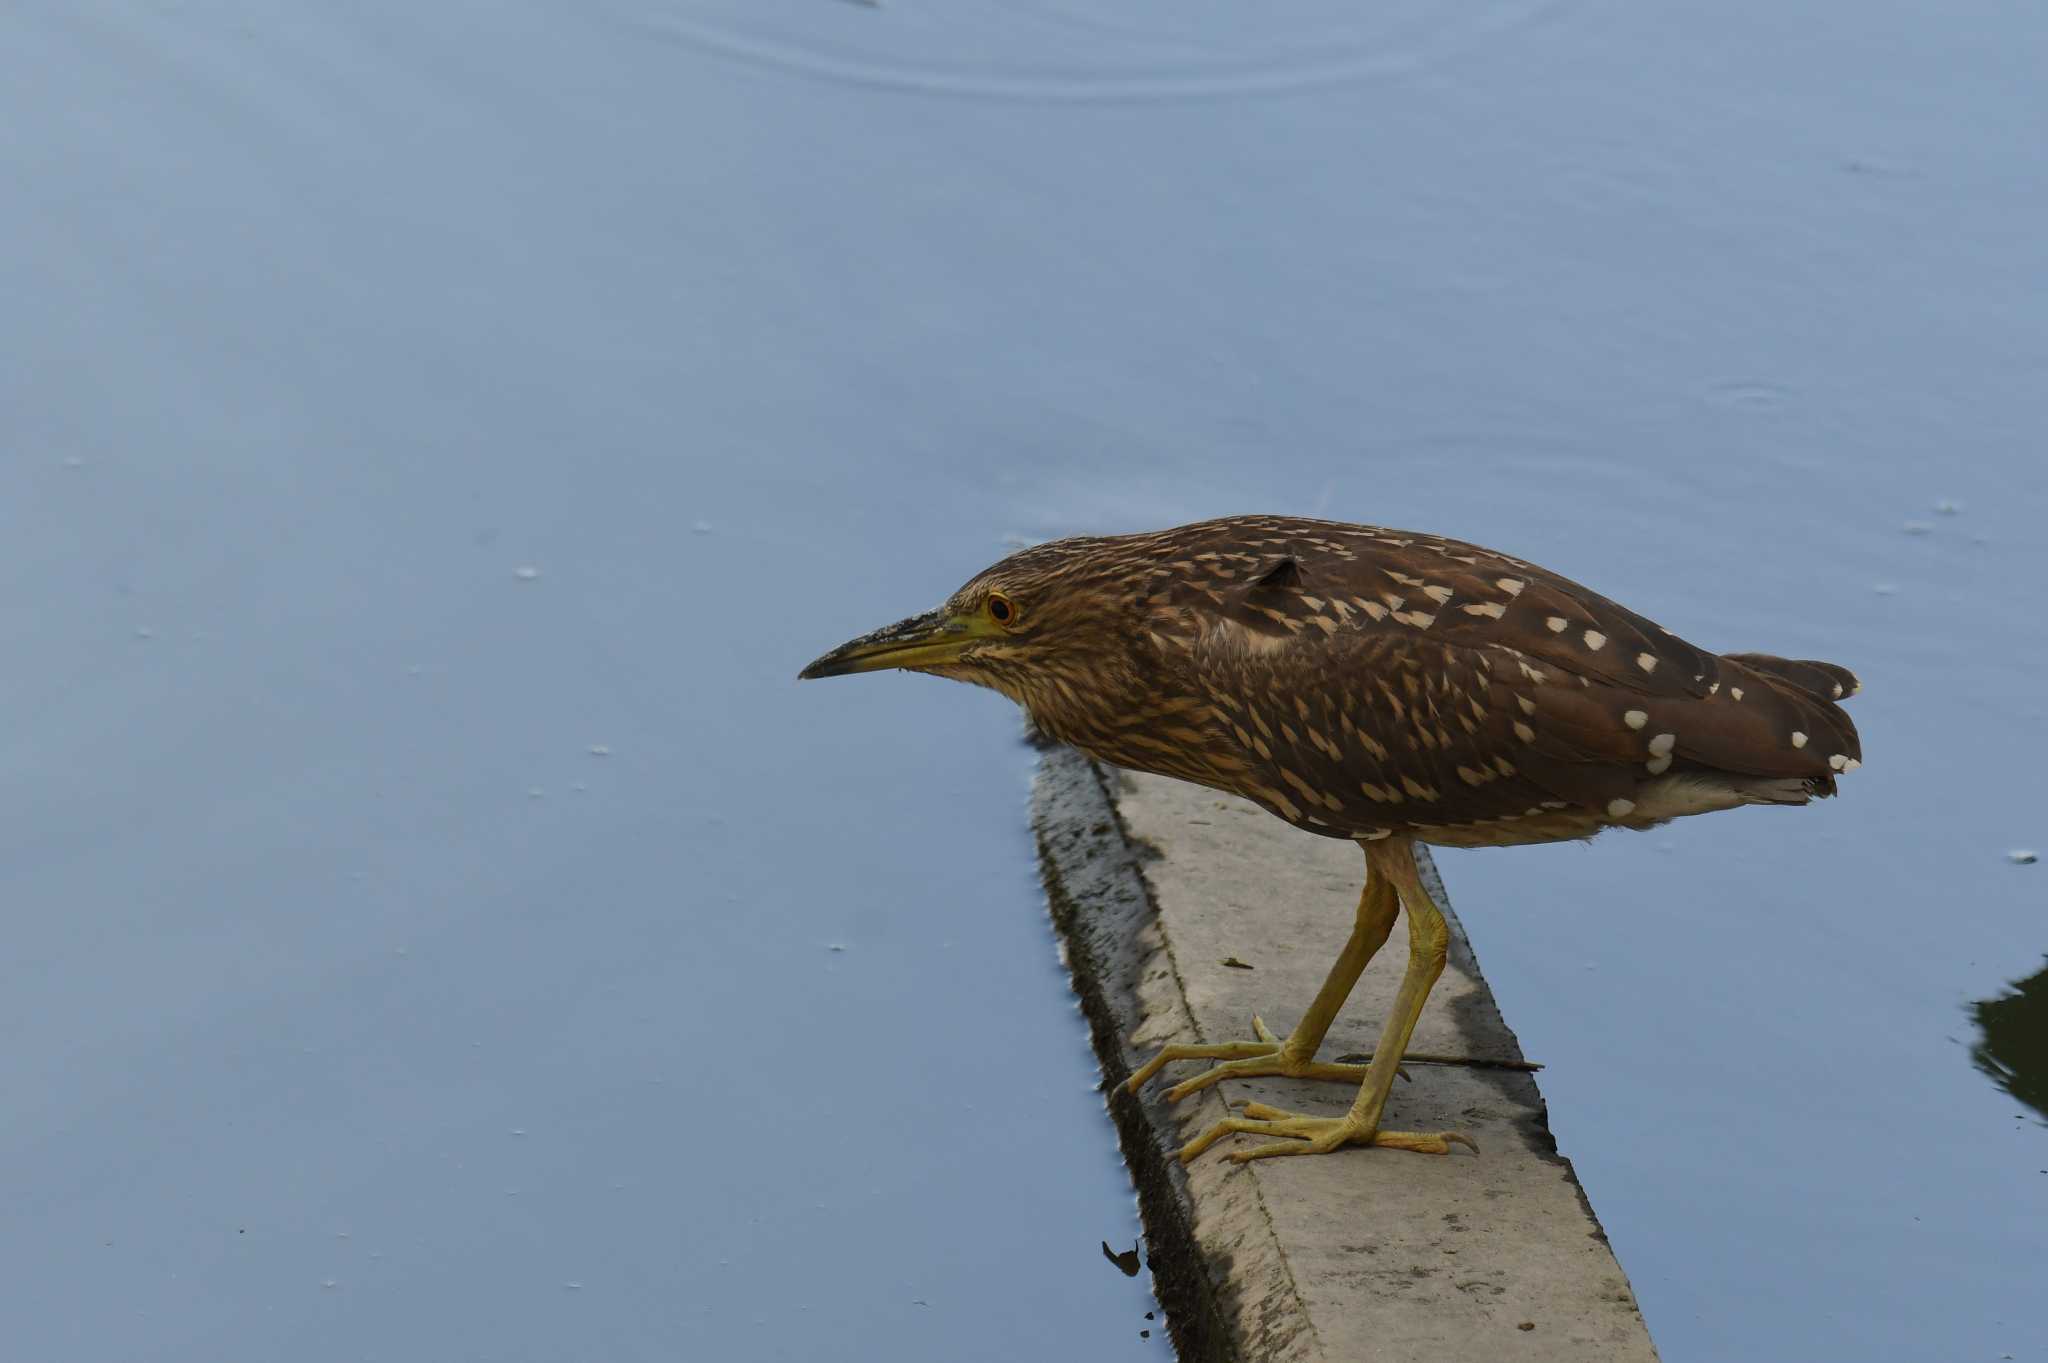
[403, 403]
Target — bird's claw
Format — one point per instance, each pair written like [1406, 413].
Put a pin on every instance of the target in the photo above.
[1266, 1057]
[1230, 1050]
[1316, 1136]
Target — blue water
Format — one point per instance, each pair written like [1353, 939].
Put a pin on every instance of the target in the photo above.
[400, 404]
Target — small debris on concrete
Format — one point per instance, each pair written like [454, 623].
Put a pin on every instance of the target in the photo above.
[1526, 1325]
[1126, 1261]
[1235, 964]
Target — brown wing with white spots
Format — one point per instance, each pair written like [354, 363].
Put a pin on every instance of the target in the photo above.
[1451, 687]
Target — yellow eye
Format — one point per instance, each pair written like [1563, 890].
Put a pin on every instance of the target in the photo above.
[1003, 610]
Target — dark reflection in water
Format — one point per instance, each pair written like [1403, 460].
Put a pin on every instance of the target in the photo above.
[2013, 1048]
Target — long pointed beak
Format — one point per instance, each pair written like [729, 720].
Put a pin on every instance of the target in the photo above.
[926, 640]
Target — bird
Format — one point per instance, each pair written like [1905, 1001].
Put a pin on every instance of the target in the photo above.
[1389, 687]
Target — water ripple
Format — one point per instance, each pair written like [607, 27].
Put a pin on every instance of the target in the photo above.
[1151, 65]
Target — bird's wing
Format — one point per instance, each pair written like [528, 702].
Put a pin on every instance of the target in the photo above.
[1434, 680]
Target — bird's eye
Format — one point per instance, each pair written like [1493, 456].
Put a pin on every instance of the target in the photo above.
[1002, 609]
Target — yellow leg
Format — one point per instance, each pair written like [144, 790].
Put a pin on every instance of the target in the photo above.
[1378, 905]
[1429, 937]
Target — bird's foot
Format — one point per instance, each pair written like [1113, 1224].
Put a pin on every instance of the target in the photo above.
[1316, 1136]
[1268, 1056]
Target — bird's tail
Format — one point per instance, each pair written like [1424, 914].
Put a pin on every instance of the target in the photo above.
[1828, 681]
[1781, 790]
[1814, 692]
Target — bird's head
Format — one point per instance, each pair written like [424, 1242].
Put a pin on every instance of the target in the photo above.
[1052, 622]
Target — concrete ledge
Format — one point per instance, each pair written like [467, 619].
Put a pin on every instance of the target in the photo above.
[1377, 1255]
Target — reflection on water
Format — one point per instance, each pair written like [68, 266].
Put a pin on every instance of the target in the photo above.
[2013, 1049]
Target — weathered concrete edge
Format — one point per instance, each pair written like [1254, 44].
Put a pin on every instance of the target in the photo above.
[1237, 1298]
[1107, 925]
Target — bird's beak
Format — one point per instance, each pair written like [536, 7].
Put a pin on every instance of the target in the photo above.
[928, 640]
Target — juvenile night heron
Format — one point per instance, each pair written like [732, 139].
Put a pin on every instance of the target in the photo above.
[1379, 685]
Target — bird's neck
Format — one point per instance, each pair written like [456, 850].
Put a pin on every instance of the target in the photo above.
[1117, 715]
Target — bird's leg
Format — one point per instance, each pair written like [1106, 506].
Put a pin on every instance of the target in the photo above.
[1378, 905]
[1428, 945]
